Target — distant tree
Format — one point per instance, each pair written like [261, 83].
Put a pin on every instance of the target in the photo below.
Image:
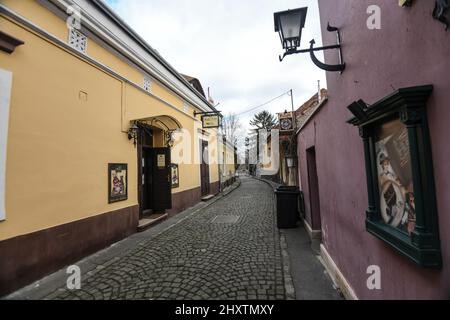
[231, 126]
[264, 120]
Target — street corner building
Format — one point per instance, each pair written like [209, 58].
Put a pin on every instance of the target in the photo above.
[99, 136]
[374, 156]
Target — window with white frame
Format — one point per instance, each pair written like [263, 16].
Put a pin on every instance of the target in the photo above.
[77, 40]
[147, 84]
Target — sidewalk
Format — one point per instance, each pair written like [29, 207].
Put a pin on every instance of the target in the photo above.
[309, 277]
[100, 260]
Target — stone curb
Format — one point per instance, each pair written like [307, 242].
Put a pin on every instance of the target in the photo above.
[90, 265]
[288, 281]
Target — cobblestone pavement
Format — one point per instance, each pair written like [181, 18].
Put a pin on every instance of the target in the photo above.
[228, 250]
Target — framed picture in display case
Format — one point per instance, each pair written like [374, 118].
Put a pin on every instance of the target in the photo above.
[175, 175]
[402, 207]
[117, 182]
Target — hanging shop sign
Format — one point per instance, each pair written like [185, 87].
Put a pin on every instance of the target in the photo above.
[211, 121]
[286, 121]
[402, 207]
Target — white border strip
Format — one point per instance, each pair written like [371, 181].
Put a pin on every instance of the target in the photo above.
[5, 98]
[336, 275]
[313, 234]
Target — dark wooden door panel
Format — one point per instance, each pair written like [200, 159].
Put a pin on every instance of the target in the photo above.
[313, 184]
[146, 179]
[204, 168]
[161, 182]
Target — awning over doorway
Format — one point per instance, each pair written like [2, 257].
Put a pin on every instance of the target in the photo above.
[163, 122]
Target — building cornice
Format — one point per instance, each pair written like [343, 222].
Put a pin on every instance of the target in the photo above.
[99, 19]
[8, 43]
[64, 46]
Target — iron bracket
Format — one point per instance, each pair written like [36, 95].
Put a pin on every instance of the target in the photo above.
[327, 67]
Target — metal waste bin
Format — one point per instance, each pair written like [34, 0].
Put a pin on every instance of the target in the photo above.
[287, 206]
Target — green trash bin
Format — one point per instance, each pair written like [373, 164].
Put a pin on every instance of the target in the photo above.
[287, 206]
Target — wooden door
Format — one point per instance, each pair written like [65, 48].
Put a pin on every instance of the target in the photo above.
[313, 184]
[146, 179]
[161, 180]
[145, 171]
[204, 168]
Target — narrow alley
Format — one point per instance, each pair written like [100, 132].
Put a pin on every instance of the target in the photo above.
[228, 248]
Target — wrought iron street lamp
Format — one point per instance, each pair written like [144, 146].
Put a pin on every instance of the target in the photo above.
[290, 161]
[170, 139]
[133, 133]
[289, 25]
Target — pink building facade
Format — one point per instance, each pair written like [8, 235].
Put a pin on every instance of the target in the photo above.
[409, 49]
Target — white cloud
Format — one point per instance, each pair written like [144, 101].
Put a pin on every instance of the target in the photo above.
[230, 46]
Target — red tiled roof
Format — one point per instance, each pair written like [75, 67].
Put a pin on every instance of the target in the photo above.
[305, 110]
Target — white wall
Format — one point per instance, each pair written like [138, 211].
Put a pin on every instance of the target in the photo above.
[5, 97]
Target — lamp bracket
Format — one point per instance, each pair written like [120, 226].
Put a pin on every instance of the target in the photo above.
[208, 113]
[440, 8]
[327, 67]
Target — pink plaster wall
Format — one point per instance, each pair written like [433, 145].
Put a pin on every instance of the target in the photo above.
[410, 49]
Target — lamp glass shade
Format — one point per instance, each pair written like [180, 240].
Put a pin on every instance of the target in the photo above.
[289, 25]
[290, 161]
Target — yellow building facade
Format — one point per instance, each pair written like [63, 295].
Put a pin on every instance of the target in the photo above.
[228, 169]
[92, 120]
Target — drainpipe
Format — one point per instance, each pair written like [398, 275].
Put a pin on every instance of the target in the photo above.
[219, 151]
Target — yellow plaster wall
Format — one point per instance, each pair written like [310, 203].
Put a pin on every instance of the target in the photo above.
[59, 145]
[56, 26]
[229, 161]
[66, 124]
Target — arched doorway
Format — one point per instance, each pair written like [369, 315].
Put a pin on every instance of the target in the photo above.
[154, 163]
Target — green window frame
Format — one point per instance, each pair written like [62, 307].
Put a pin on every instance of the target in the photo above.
[405, 111]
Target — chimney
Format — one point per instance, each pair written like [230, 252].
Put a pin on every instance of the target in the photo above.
[210, 99]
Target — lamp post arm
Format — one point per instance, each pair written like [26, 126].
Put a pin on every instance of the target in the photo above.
[327, 67]
[289, 52]
[323, 66]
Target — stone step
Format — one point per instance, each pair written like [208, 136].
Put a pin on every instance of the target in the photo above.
[208, 197]
[151, 220]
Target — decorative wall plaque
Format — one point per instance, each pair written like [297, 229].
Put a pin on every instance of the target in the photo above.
[117, 182]
[402, 207]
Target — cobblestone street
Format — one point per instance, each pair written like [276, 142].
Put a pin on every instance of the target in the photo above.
[228, 250]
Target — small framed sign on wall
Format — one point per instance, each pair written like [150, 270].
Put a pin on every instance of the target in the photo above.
[117, 182]
[175, 175]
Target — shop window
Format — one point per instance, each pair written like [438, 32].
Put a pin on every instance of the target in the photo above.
[402, 205]
[77, 40]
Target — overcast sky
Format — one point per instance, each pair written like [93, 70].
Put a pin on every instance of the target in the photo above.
[231, 47]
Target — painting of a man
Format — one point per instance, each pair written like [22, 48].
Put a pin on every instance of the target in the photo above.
[392, 202]
[396, 198]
